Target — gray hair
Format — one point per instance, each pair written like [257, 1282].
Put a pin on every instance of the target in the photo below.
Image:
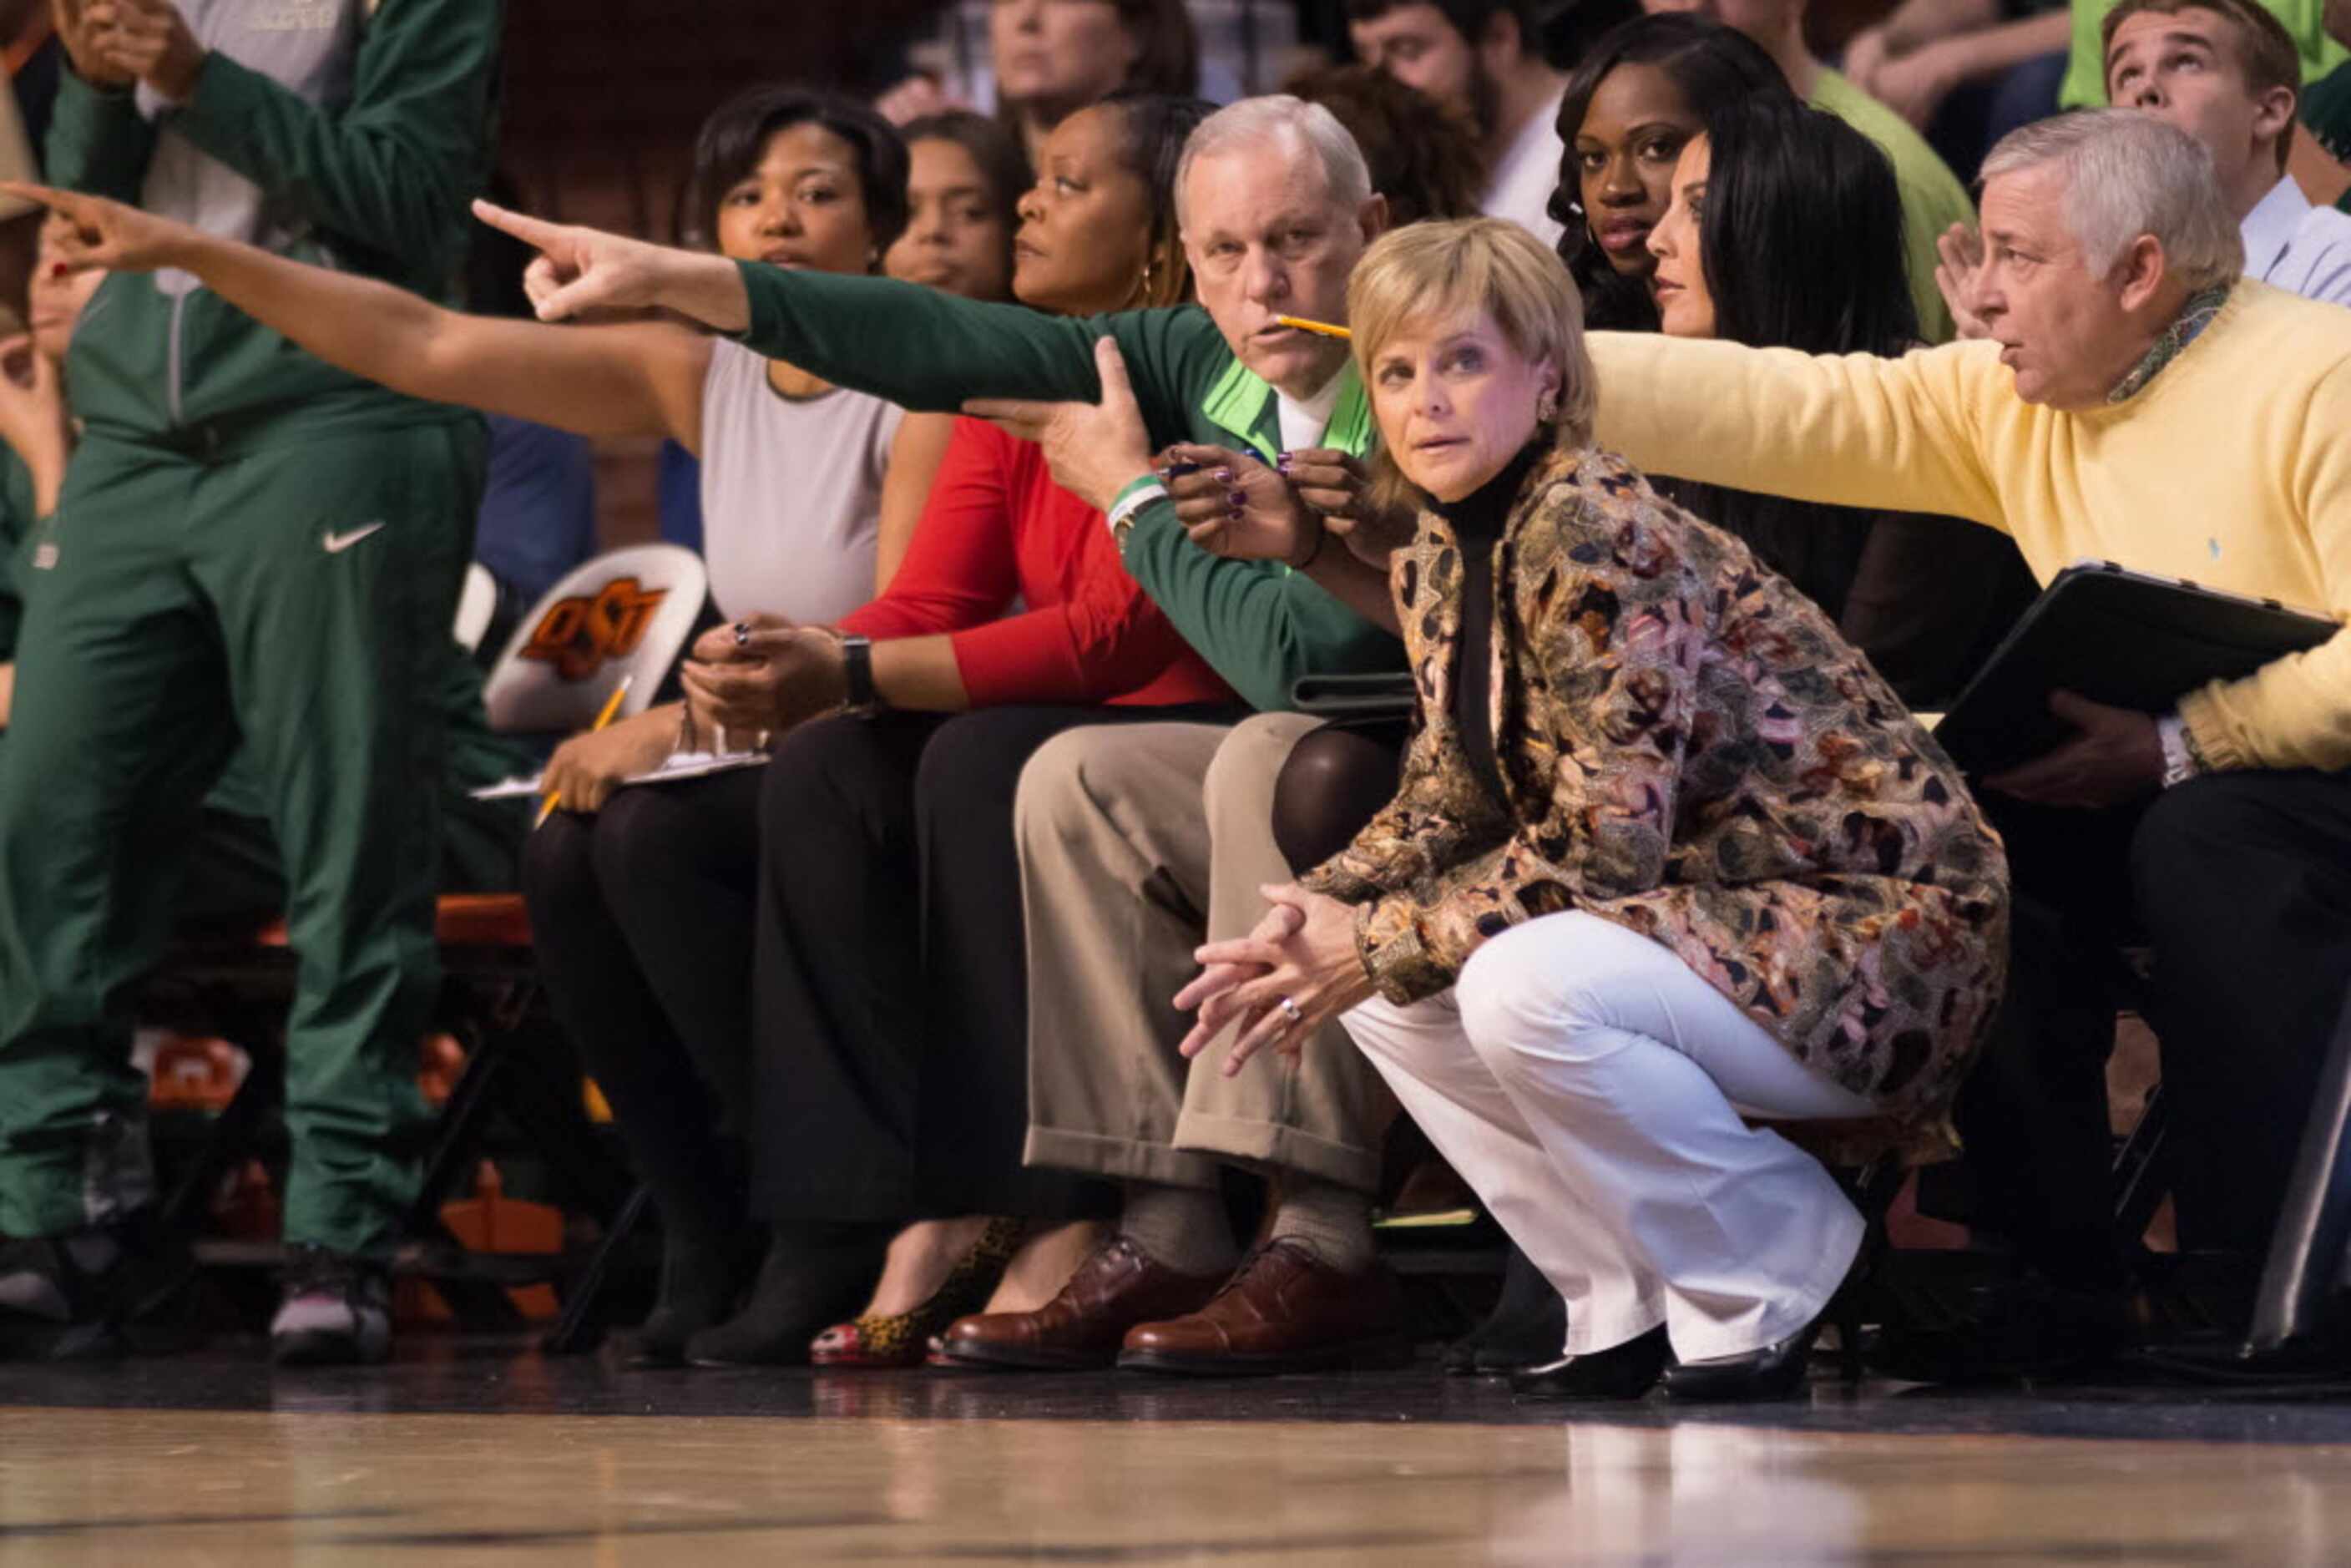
[1255, 120]
[2128, 173]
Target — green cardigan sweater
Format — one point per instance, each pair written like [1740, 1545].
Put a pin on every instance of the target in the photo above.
[1260, 624]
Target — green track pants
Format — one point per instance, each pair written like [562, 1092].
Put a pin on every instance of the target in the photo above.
[295, 600]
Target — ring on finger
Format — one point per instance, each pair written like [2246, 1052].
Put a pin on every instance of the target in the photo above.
[1291, 1010]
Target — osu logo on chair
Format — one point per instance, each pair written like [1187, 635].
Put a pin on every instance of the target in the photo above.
[577, 635]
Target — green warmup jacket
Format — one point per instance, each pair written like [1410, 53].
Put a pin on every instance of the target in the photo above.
[359, 149]
[1260, 624]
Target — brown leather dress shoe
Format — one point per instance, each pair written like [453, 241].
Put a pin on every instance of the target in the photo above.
[1284, 1310]
[1083, 1326]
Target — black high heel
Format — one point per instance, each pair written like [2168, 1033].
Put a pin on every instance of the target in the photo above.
[1626, 1371]
[1775, 1372]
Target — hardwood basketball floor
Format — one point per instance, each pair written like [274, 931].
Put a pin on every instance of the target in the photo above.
[477, 1453]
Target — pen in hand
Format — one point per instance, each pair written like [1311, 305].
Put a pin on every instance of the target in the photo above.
[611, 706]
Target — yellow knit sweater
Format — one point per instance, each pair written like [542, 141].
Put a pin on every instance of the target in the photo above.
[2233, 468]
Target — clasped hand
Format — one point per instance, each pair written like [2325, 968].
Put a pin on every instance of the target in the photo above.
[114, 43]
[1302, 952]
[1230, 504]
[762, 673]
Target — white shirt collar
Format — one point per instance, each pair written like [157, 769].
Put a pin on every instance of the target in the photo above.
[1304, 420]
[2268, 228]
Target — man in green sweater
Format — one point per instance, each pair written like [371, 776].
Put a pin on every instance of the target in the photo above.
[1133, 851]
[2140, 403]
[250, 549]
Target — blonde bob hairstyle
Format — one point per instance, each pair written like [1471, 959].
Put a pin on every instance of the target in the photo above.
[1470, 267]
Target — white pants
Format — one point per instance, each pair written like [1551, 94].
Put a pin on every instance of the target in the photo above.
[1588, 1085]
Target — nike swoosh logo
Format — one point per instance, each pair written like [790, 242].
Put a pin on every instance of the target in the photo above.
[338, 543]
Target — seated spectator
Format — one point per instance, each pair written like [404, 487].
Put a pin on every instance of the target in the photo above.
[2110, 418]
[1053, 58]
[1786, 232]
[1422, 156]
[889, 1038]
[2224, 71]
[1481, 60]
[1638, 99]
[1932, 197]
[1596, 923]
[1965, 72]
[2085, 86]
[965, 179]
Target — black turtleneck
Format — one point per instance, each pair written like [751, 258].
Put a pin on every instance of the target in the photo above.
[1477, 521]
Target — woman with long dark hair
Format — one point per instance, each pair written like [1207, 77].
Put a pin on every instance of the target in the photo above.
[1643, 92]
[1784, 231]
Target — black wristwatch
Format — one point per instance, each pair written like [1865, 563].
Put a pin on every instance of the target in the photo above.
[857, 669]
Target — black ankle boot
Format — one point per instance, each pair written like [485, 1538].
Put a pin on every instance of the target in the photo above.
[1526, 1328]
[1624, 1371]
[812, 1277]
[701, 1279]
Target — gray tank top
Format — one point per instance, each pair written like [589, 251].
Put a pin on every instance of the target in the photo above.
[792, 491]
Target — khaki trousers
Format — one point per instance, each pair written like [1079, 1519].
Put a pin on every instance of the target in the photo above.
[1136, 842]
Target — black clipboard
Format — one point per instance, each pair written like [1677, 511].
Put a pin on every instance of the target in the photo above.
[2118, 637]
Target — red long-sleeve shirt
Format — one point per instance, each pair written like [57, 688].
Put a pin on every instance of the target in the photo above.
[997, 526]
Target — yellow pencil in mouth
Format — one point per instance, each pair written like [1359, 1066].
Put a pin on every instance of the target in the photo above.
[1321, 328]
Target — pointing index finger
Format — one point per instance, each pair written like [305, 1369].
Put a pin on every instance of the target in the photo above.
[535, 232]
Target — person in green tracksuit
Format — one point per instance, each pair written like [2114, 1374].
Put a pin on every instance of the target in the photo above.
[252, 552]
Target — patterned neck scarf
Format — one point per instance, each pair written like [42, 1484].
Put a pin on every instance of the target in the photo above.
[2194, 317]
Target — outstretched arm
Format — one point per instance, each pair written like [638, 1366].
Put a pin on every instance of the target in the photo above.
[922, 349]
[1847, 430]
[638, 379]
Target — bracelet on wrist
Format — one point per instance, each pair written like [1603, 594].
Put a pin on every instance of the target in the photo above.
[857, 675]
[1322, 536]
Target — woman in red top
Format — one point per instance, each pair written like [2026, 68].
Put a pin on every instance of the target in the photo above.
[884, 1100]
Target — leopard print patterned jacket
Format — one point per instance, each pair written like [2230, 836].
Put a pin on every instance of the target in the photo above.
[1690, 750]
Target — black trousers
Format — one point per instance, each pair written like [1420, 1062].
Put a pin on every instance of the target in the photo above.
[815, 968]
[891, 1043]
[643, 917]
[2241, 883]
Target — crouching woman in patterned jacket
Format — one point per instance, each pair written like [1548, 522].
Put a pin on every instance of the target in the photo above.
[1667, 855]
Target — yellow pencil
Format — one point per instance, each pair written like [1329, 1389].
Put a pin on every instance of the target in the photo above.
[611, 706]
[1324, 328]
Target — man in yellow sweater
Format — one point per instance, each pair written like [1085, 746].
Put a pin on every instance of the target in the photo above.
[2138, 401]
